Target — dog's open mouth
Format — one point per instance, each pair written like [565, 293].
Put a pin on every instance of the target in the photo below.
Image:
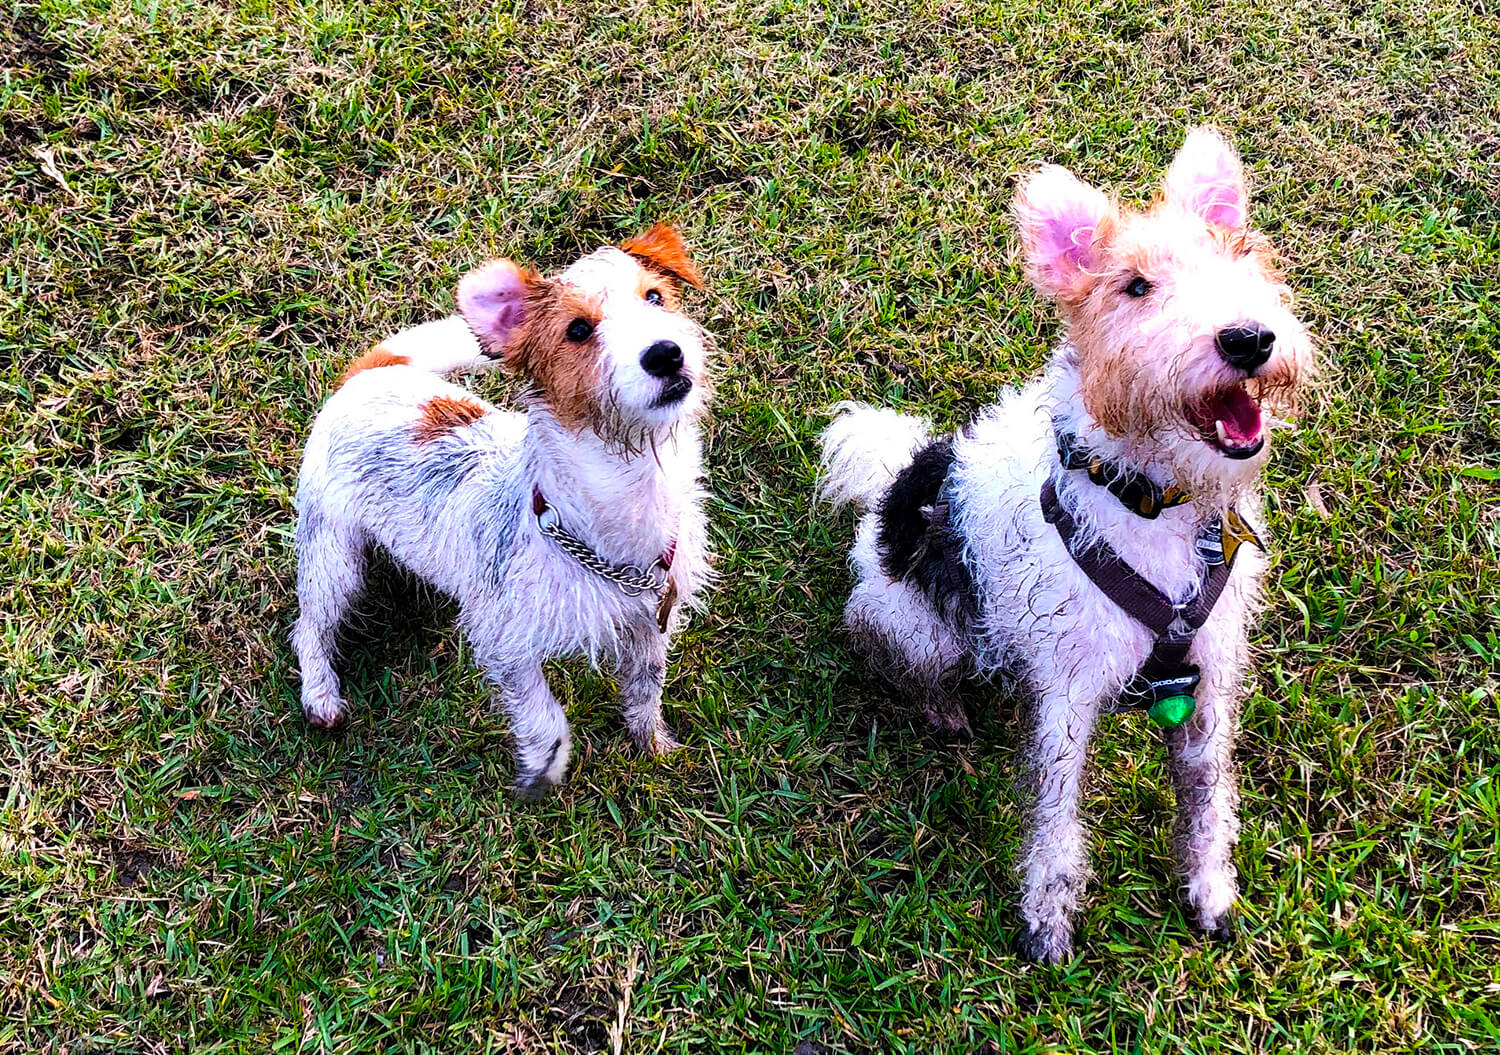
[673, 390]
[1231, 422]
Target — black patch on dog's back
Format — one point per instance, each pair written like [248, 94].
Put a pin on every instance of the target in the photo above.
[917, 541]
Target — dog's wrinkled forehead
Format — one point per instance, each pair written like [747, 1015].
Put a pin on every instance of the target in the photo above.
[1166, 240]
[604, 271]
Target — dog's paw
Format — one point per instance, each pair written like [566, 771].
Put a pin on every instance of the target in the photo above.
[654, 741]
[1047, 944]
[946, 716]
[1210, 901]
[541, 765]
[326, 714]
[950, 726]
[662, 743]
[1223, 929]
[533, 786]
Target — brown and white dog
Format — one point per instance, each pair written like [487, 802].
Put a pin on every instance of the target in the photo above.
[576, 527]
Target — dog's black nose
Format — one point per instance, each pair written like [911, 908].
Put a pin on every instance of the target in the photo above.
[662, 359]
[1246, 347]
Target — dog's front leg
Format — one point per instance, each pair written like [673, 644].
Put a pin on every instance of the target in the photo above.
[540, 726]
[1054, 857]
[642, 673]
[1207, 824]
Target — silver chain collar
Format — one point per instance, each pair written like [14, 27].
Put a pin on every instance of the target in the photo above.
[631, 578]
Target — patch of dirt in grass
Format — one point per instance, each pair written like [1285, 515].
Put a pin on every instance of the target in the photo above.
[133, 863]
[354, 792]
[26, 44]
[576, 1014]
[479, 934]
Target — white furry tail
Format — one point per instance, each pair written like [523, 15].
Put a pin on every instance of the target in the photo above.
[446, 346]
[863, 449]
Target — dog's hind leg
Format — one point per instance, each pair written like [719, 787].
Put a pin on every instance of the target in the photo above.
[905, 640]
[1207, 823]
[642, 673]
[330, 573]
[916, 658]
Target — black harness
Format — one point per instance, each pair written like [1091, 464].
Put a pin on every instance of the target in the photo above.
[1164, 686]
[1137, 492]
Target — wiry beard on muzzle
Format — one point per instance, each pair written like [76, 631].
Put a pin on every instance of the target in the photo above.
[1278, 388]
[1147, 410]
[622, 431]
[1132, 404]
[1144, 406]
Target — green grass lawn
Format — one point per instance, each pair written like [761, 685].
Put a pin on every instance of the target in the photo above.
[207, 208]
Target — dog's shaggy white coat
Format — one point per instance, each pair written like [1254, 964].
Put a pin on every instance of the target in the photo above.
[1149, 363]
[444, 482]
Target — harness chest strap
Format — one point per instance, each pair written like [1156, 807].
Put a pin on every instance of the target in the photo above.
[1166, 675]
[632, 579]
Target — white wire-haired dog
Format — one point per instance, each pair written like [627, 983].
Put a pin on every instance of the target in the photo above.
[576, 527]
[1080, 531]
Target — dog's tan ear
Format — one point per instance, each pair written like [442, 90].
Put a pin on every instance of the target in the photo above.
[661, 249]
[492, 299]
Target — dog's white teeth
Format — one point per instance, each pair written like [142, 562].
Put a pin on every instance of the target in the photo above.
[1228, 443]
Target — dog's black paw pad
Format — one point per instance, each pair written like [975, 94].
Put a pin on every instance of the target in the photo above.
[1225, 930]
[1047, 945]
[532, 788]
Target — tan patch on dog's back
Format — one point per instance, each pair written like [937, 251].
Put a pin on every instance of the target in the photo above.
[375, 358]
[442, 414]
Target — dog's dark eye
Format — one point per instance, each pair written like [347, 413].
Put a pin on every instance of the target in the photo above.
[1138, 287]
[653, 296]
[579, 330]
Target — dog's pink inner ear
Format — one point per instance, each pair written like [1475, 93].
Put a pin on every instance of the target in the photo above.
[1063, 223]
[1206, 178]
[493, 301]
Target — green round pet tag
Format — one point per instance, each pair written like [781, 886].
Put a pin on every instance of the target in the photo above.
[1171, 711]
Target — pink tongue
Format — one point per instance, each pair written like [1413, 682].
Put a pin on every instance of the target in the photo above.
[1239, 413]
